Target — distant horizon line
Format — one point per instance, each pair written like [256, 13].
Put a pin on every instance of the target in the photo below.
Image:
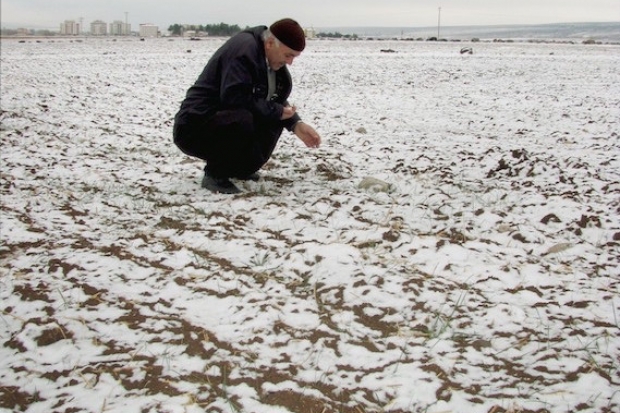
[20, 26]
[491, 25]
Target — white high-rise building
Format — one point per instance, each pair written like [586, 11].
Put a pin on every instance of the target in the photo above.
[149, 30]
[98, 28]
[119, 28]
[70, 27]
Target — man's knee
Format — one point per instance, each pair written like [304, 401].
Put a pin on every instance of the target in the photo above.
[184, 137]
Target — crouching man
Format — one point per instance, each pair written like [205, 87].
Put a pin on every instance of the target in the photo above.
[234, 114]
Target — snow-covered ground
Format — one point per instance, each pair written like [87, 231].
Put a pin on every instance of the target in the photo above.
[481, 273]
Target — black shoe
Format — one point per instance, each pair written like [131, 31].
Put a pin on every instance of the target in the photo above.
[252, 177]
[221, 185]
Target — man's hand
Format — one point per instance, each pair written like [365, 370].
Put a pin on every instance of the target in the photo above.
[308, 135]
[288, 112]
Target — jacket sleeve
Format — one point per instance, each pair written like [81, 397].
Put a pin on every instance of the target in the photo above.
[289, 123]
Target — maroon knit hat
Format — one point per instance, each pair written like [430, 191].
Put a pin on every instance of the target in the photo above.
[289, 32]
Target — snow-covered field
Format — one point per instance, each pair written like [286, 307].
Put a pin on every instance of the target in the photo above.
[481, 273]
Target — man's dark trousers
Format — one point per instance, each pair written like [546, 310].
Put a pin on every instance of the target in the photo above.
[232, 142]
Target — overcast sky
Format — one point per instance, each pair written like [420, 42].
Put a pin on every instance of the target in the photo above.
[316, 13]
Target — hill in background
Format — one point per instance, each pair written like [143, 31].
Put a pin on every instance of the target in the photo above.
[607, 32]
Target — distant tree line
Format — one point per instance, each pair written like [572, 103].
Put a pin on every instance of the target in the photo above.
[31, 32]
[224, 30]
[336, 35]
[221, 29]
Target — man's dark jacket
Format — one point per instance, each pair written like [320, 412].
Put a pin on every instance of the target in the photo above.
[236, 78]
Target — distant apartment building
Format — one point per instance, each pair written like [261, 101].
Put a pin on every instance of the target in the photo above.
[70, 28]
[98, 28]
[149, 30]
[310, 32]
[119, 28]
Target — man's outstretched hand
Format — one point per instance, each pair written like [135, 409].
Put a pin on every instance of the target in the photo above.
[308, 135]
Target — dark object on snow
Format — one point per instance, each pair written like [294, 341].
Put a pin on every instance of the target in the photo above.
[388, 51]
[467, 50]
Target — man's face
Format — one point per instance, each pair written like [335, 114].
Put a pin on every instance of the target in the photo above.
[278, 54]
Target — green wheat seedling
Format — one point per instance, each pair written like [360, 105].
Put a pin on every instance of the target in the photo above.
[260, 259]
[166, 356]
[231, 403]
[592, 348]
[65, 303]
[443, 322]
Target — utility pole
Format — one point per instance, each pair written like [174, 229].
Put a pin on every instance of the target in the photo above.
[438, 23]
